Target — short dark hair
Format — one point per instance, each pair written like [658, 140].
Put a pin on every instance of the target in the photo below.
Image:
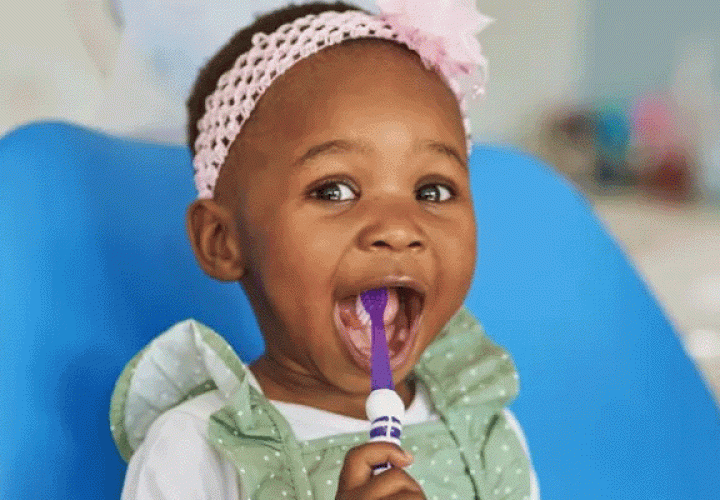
[241, 42]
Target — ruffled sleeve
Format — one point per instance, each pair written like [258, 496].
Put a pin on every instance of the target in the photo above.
[187, 360]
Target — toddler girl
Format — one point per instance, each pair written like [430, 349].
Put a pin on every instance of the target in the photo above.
[331, 157]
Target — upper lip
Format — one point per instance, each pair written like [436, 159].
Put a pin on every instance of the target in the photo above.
[393, 281]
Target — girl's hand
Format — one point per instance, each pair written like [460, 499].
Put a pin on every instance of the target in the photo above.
[357, 481]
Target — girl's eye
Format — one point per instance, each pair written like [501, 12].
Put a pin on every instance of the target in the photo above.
[432, 192]
[333, 191]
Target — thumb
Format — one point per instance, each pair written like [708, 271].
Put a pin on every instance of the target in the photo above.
[359, 462]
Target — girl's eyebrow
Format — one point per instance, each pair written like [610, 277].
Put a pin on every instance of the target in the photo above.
[344, 146]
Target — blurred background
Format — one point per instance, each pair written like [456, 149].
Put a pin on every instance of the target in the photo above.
[622, 98]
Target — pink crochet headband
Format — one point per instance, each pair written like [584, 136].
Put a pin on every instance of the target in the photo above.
[440, 31]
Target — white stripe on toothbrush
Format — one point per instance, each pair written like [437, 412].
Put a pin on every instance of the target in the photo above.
[385, 411]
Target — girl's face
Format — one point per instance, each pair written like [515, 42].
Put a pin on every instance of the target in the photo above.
[355, 172]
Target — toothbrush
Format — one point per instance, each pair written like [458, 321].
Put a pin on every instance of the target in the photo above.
[383, 407]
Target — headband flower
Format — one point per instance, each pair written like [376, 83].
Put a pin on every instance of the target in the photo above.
[443, 31]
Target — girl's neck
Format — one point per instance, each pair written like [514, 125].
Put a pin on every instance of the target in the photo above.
[295, 389]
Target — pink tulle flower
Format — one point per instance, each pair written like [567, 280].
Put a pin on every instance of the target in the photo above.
[443, 32]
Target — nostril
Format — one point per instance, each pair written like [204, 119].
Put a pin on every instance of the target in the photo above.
[381, 243]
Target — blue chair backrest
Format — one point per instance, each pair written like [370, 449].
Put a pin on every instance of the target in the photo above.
[95, 262]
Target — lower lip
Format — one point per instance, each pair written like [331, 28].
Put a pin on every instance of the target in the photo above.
[363, 361]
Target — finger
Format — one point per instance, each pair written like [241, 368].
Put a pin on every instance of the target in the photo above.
[359, 462]
[391, 482]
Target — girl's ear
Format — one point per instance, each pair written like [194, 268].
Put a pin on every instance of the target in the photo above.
[215, 240]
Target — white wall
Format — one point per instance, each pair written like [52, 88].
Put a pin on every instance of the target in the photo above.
[638, 45]
[45, 71]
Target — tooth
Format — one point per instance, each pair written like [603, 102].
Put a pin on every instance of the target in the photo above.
[362, 314]
[392, 306]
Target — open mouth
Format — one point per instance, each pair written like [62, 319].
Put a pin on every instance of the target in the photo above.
[403, 315]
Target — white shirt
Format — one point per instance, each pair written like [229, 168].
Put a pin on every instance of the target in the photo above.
[176, 461]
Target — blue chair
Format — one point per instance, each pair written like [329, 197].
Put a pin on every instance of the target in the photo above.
[95, 262]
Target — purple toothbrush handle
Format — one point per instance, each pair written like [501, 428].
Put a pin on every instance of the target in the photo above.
[381, 373]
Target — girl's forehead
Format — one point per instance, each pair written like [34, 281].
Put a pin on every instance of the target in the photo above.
[358, 59]
[333, 86]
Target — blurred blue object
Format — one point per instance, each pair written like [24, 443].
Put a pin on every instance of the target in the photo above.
[612, 138]
[95, 262]
[613, 131]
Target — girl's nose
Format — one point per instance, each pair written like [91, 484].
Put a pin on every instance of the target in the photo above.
[393, 228]
[398, 240]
